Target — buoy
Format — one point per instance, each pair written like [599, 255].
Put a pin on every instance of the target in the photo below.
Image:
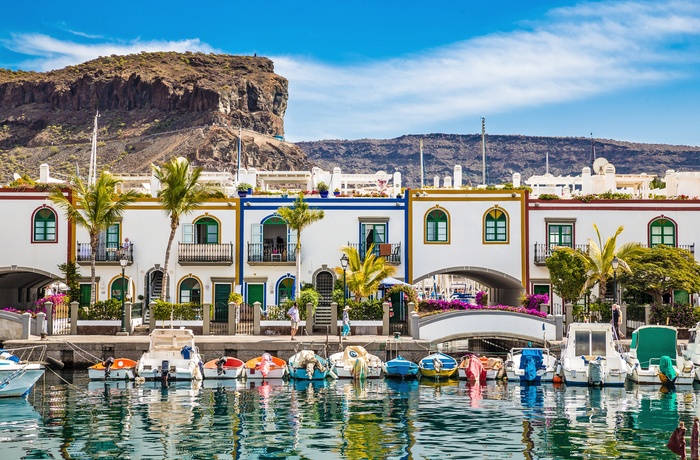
[53, 362]
[556, 379]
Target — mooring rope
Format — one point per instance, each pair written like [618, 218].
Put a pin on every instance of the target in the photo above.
[83, 353]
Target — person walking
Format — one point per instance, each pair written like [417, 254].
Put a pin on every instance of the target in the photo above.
[346, 323]
[617, 320]
[293, 314]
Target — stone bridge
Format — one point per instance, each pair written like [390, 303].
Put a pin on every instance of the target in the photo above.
[468, 324]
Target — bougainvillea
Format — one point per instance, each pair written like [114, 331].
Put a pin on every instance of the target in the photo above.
[533, 301]
[482, 298]
[429, 307]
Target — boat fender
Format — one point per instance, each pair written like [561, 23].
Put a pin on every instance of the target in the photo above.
[556, 379]
[55, 363]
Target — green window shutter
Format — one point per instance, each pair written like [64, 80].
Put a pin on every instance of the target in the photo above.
[45, 225]
[496, 226]
[662, 231]
[113, 236]
[285, 289]
[436, 226]
[560, 235]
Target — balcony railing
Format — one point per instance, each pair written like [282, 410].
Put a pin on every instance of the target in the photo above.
[390, 251]
[104, 253]
[544, 251]
[271, 252]
[205, 253]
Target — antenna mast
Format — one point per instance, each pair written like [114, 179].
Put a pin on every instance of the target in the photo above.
[483, 150]
[92, 171]
[422, 170]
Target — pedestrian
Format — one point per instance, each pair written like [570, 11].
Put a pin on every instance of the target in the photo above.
[617, 321]
[294, 316]
[346, 323]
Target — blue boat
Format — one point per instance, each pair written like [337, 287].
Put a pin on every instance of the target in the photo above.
[307, 365]
[401, 368]
[438, 366]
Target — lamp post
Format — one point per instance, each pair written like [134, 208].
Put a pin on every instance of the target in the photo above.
[615, 264]
[344, 264]
[123, 262]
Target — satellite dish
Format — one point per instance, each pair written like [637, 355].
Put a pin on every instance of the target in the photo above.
[599, 164]
[16, 176]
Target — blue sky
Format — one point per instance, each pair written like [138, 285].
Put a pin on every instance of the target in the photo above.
[625, 70]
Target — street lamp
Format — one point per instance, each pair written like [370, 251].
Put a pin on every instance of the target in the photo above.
[123, 262]
[344, 264]
[615, 264]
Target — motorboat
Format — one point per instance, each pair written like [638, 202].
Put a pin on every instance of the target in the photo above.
[473, 368]
[225, 367]
[438, 366]
[591, 357]
[531, 365]
[307, 365]
[654, 359]
[20, 368]
[113, 369]
[691, 351]
[400, 367]
[265, 367]
[355, 363]
[172, 355]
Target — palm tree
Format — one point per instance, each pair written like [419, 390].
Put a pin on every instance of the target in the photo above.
[96, 207]
[599, 258]
[179, 195]
[365, 275]
[298, 217]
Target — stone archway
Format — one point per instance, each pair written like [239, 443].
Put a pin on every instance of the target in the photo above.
[19, 286]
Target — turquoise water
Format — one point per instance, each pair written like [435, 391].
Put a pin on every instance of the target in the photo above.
[341, 419]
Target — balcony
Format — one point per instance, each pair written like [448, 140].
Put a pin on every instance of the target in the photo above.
[104, 255]
[543, 251]
[205, 254]
[390, 251]
[271, 253]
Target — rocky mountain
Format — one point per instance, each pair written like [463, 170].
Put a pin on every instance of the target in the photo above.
[505, 154]
[152, 106]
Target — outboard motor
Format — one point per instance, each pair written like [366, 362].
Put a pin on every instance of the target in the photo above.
[165, 370]
[220, 366]
[108, 366]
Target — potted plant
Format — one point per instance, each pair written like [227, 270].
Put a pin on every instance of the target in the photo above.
[322, 189]
[235, 298]
[336, 192]
[243, 188]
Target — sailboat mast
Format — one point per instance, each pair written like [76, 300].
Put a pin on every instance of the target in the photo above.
[92, 170]
[483, 150]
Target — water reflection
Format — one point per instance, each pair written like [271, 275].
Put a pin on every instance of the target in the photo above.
[340, 419]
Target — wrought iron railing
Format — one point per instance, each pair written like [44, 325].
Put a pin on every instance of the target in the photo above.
[211, 253]
[104, 253]
[390, 251]
[271, 252]
[544, 251]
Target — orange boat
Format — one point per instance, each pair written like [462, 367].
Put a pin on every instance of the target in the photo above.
[113, 369]
[225, 367]
[265, 367]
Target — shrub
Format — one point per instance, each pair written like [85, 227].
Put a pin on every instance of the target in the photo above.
[110, 309]
[276, 313]
[366, 310]
[181, 311]
[533, 301]
[409, 294]
[674, 315]
[322, 187]
[482, 298]
[308, 296]
[429, 307]
[235, 298]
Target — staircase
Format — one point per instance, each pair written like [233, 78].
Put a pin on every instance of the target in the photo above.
[323, 317]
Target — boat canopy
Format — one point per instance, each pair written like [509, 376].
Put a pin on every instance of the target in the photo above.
[653, 342]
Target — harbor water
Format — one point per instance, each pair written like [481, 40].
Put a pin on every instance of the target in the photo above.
[67, 416]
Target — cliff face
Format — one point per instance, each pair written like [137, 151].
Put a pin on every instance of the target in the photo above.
[152, 106]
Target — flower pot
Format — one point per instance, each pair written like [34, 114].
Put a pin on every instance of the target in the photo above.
[242, 193]
[323, 193]
[336, 193]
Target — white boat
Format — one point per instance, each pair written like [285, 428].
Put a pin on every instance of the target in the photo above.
[692, 350]
[172, 355]
[531, 365]
[654, 358]
[265, 367]
[480, 368]
[225, 367]
[355, 363]
[20, 368]
[590, 357]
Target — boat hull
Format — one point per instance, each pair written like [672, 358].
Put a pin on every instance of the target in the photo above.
[446, 370]
[544, 373]
[400, 368]
[232, 369]
[344, 365]
[277, 369]
[650, 376]
[17, 381]
[298, 369]
[440, 375]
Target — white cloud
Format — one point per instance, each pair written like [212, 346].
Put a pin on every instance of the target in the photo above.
[54, 54]
[582, 51]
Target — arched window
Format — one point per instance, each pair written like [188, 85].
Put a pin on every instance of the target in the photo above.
[496, 226]
[190, 291]
[45, 225]
[436, 226]
[285, 290]
[662, 231]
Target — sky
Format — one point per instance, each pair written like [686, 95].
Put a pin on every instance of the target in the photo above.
[624, 70]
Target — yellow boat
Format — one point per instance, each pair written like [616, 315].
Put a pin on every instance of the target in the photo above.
[438, 366]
